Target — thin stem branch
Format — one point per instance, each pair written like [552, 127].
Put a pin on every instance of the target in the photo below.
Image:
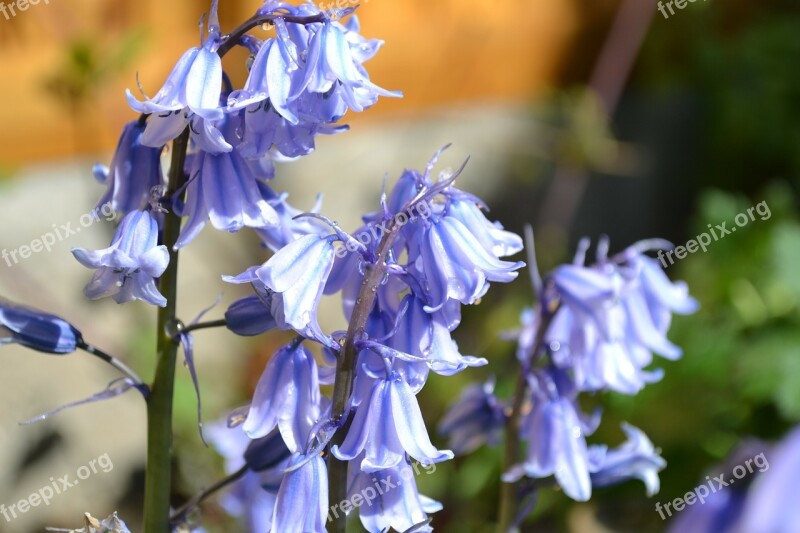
[510, 492]
[205, 325]
[158, 479]
[232, 39]
[180, 515]
[113, 361]
[346, 367]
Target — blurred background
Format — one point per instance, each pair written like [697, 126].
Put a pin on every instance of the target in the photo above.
[581, 117]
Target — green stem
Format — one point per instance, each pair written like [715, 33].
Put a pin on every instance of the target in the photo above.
[510, 492]
[158, 479]
[346, 368]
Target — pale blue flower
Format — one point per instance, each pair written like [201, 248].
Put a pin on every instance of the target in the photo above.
[556, 433]
[395, 500]
[296, 275]
[387, 426]
[634, 459]
[127, 269]
[302, 502]
[287, 396]
[135, 170]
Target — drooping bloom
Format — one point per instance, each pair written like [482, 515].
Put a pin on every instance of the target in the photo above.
[476, 419]
[127, 269]
[335, 64]
[556, 433]
[387, 426]
[194, 83]
[287, 396]
[296, 275]
[302, 502]
[36, 330]
[457, 266]
[392, 501]
[224, 190]
[135, 170]
[614, 316]
[634, 459]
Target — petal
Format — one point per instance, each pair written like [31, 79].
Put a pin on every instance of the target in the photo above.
[410, 426]
[204, 83]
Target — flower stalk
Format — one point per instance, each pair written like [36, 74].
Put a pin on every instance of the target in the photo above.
[346, 368]
[158, 480]
[510, 493]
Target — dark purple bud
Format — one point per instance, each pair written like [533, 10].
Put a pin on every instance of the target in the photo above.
[266, 452]
[36, 330]
[249, 316]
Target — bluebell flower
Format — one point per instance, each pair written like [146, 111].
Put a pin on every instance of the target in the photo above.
[333, 63]
[556, 433]
[296, 275]
[392, 500]
[127, 269]
[302, 502]
[491, 235]
[224, 190]
[36, 330]
[273, 72]
[614, 315]
[250, 316]
[457, 266]
[287, 396]
[135, 170]
[614, 362]
[194, 83]
[267, 132]
[427, 336]
[636, 458]
[387, 426]
[474, 420]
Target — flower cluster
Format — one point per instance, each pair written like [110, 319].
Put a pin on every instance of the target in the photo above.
[403, 277]
[595, 328]
[301, 83]
[402, 284]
